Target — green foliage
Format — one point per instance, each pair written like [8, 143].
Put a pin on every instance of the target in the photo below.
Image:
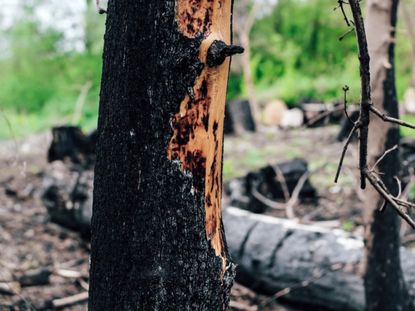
[41, 81]
[347, 225]
[295, 54]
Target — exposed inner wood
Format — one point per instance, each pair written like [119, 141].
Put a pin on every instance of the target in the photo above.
[196, 16]
[198, 126]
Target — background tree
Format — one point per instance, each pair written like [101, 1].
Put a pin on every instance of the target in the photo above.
[244, 18]
[384, 283]
[157, 237]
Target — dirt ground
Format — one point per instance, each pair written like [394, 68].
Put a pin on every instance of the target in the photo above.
[29, 241]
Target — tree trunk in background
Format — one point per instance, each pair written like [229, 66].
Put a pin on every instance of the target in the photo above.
[244, 16]
[408, 17]
[157, 237]
[383, 278]
[249, 81]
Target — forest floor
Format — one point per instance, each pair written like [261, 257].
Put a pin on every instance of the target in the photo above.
[29, 241]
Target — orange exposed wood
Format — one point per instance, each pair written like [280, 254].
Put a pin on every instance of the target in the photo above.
[198, 126]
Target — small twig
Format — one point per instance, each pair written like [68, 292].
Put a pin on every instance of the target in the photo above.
[383, 156]
[317, 276]
[346, 145]
[346, 33]
[398, 182]
[322, 116]
[345, 90]
[341, 3]
[387, 118]
[264, 200]
[404, 203]
[289, 207]
[69, 301]
[70, 274]
[388, 197]
[293, 199]
[283, 182]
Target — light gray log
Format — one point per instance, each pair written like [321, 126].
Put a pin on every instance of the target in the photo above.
[274, 254]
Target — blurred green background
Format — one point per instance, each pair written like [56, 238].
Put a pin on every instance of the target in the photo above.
[47, 79]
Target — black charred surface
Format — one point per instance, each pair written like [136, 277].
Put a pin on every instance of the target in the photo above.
[218, 52]
[148, 249]
[70, 143]
[384, 283]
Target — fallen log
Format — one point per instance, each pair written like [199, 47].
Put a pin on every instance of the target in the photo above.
[275, 254]
[274, 182]
[241, 115]
[70, 143]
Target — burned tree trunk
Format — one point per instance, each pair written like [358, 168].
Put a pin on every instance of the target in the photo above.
[157, 237]
[384, 284]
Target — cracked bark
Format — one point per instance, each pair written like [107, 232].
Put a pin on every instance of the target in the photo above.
[157, 236]
[384, 283]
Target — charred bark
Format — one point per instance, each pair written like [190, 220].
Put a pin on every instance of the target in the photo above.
[157, 238]
[384, 284]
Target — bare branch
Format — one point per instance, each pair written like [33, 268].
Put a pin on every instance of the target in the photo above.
[264, 200]
[293, 199]
[346, 145]
[366, 107]
[283, 182]
[346, 33]
[383, 156]
[365, 102]
[317, 274]
[289, 207]
[399, 187]
[322, 116]
[387, 118]
[341, 4]
[388, 197]
[345, 90]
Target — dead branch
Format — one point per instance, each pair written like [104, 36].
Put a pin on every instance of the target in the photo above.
[69, 301]
[383, 156]
[293, 198]
[374, 180]
[264, 200]
[317, 276]
[340, 5]
[346, 145]
[322, 116]
[387, 118]
[289, 206]
[283, 182]
[362, 124]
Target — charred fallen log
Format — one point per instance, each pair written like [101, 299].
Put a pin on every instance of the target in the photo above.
[321, 114]
[322, 265]
[239, 111]
[68, 197]
[228, 127]
[70, 143]
[274, 182]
